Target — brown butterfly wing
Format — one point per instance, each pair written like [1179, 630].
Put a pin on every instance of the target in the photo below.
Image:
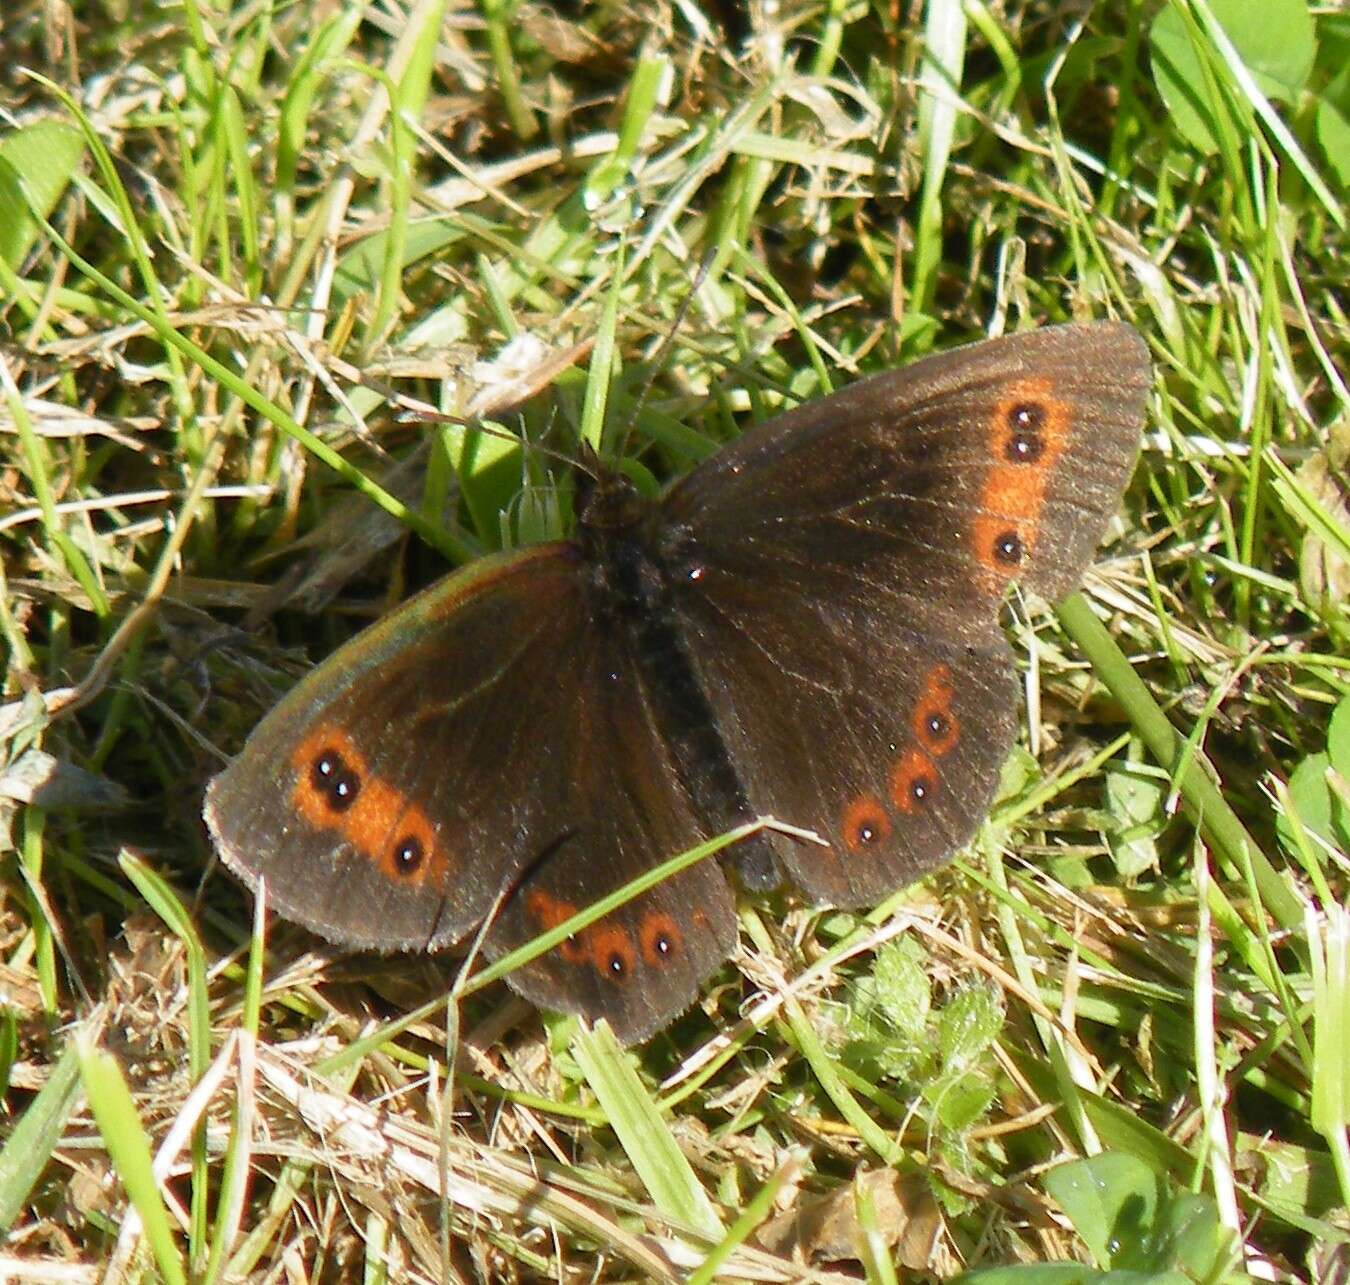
[902, 483]
[614, 785]
[406, 738]
[844, 567]
[488, 737]
[889, 746]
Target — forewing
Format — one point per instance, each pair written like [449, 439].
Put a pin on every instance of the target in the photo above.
[386, 799]
[841, 572]
[929, 488]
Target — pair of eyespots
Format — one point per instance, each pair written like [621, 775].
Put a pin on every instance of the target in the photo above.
[607, 946]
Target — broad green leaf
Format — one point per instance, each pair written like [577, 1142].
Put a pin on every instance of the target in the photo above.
[963, 1101]
[902, 989]
[1311, 796]
[36, 165]
[1111, 1199]
[970, 1022]
[1067, 1274]
[1274, 38]
[1333, 136]
[1338, 738]
[1135, 800]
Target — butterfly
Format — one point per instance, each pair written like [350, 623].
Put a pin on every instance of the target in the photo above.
[804, 626]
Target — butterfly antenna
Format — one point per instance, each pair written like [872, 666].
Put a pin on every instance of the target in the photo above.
[704, 267]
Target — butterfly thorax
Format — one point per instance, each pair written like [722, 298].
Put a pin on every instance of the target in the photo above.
[621, 578]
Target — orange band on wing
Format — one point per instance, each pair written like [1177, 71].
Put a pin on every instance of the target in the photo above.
[335, 790]
[1028, 432]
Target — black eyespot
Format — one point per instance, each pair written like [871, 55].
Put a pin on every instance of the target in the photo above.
[920, 788]
[332, 777]
[1008, 548]
[659, 938]
[937, 726]
[409, 854]
[616, 965]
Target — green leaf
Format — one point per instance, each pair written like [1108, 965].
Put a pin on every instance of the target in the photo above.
[962, 1101]
[1310, 795]
[902, 989]
[1274, 38]
[1067, 1274]
[1333, 137]
[1338, 752]
[1111, 1199]
[128, 1146]
[1338, 738]
[1028, 1274]
[970, 1022]
[1190, 1236]
[1134, 798]
[9, 1046]
[35, 1134]
[327, 44]
[1135, 1224]
[36, 165]
[642, 1131]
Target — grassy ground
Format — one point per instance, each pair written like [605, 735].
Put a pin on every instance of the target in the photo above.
[1109, 1034]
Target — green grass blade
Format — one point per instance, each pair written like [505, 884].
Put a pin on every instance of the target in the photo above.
[128, 1147]
[35, 1133]
[642, 1132]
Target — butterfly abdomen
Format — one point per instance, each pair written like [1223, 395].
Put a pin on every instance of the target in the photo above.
[632, 592]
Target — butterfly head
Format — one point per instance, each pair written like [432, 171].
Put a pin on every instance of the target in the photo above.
[605, 502]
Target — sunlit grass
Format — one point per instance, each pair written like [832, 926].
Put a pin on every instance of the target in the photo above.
[239, 248]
